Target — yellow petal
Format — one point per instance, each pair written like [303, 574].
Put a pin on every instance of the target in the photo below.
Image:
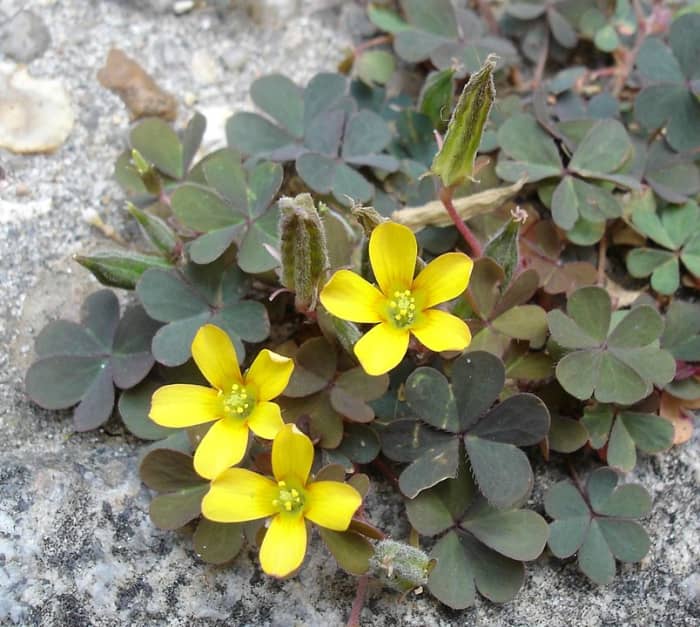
[266, 420]
[184, 405]
[223, 446]
[292, 454]
[284, 545]
[348, 296]
[443, 279]
[269, 374]
[216, 357]
[238, 495]
[331, 504]
[441, 331]
[381, 348]
[392, 253]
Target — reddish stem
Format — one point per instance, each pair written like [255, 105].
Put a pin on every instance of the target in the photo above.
[465, 232]
[631, 56]
[371, 43]
[359, 602]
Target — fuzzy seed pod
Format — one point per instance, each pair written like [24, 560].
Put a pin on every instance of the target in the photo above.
[400, 566]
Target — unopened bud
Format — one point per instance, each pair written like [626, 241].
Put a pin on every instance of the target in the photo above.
[303, 250]
[146, 171]
[368, 217]
[120, 268]
[156, 230]
[400, 566]
[454, 163]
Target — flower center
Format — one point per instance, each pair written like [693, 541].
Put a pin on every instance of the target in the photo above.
[402, 309]
[238, 403]
[289, 500]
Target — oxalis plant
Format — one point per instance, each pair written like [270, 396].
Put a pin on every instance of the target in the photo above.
[431, 289]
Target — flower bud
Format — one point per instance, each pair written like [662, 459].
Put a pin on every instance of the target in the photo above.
[304, 252]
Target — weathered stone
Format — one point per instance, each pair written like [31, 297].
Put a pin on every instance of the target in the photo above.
[76, 544]
[24, 37]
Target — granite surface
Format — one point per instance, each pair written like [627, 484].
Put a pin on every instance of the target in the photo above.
[76, 544]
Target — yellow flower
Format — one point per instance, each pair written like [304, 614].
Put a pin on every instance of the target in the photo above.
[404, 305]
[239, 495]
[237, 403]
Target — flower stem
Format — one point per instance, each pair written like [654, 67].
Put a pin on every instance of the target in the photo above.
[358, 603]
[465, 232]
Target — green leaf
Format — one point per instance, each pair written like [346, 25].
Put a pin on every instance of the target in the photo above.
[176, 509]
[502, 471]
[598, 422]
[385, 19]
[202, 209]
[198, 295]
[532, 152]
[375, 66]
[605, 148]
[518, 534]
[526, 322]
[165, 470]
[81, 364]
[159, 145]
[621, 450]
[217, 543]
[429, 394]
[432, 467]
[360, 444]
[454, 162]
[282, 100]
[452, 579]
[521, 419]
[315, 364]
[436, 96]
[134, 405]
[682, 331]
[595, 559]
[477, 380]
[351, 550]
[566, 435]
[254, 135]
[650, 433]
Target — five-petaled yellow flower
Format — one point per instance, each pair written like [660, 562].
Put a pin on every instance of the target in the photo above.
[237, 403]
[240, 495]
[404, 305]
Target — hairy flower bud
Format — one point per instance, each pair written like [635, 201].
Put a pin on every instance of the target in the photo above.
[400, 566]
[304, 252]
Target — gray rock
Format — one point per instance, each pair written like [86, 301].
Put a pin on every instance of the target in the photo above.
[76, 544]
[24, 37]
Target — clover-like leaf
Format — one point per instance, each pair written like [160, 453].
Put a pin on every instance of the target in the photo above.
[483, 548]
[180, 490]
[674, 177]
[197, 295]
[464, 413]
[135, 403]
[612, 360]
[669, 98]
[435, 30]
[80, 364]
[681, 336]
[326, 397]
[499, 312]
[677, 229]
[558, 23]
[579, 198]
[321, 131]
[235, 207]
[599, 525]
[168, 155]
[543, 250]
[624, 431]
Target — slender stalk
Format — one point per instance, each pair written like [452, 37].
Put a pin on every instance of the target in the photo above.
[359, 602]
[541, 62]
[621, 77]
[602, 259]
[469, 237]
[371, 43]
